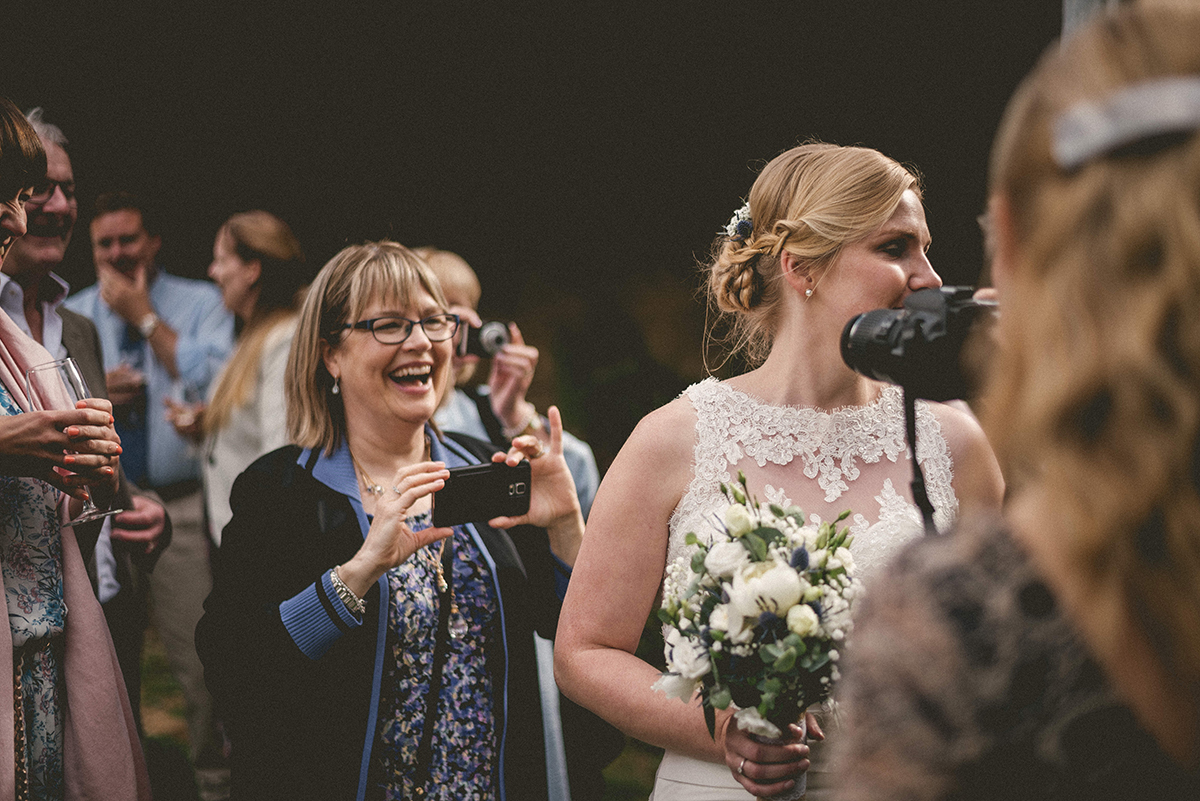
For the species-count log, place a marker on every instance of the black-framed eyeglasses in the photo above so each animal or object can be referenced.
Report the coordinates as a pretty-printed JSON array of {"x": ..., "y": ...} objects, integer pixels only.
[
  {"x": 394, "y": 330},
  {"x": 45, "y": 190}
]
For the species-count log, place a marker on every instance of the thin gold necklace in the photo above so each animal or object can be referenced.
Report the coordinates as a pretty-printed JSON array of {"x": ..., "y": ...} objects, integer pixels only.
[{"x": 368, "y": 482}]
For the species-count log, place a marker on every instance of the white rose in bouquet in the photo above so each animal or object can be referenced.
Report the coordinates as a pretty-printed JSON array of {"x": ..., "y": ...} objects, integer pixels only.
[
  {"x": 676, "y": 686},
  {"x": 724, "y": 559},
  {"x": 802, "y": 620},
  {"x": 765, "y": 587},
  {"x": 738, "y": 520},
  {"x": 685, "y": 657}
]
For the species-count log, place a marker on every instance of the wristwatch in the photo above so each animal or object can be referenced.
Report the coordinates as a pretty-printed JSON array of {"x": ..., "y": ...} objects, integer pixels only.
[{"x": 147, "y": 325}]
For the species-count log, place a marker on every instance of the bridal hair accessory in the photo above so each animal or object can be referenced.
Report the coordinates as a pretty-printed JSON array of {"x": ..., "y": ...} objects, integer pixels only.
[
  {"x": 739, "y": 226},
  {"x": 1138, "y": 112}
]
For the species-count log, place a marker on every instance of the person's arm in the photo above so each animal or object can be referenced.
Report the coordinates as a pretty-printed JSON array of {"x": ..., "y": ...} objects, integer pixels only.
[
  {"x": 614, "y": 586},
  {"x": 204, "y": 344}
]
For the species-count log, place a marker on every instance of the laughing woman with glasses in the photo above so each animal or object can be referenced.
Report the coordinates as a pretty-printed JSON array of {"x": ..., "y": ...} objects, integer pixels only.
[{"x": 354, "y": 650}]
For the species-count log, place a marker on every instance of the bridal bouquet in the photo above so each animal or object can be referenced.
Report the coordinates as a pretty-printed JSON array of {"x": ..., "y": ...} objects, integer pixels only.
[{"x": 755, "y": 618}]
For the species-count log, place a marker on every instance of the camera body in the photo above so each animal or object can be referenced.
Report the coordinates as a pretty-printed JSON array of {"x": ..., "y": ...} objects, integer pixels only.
[
  {"x": 484, "y": 341},
  {"x": 919, "y": 346}
]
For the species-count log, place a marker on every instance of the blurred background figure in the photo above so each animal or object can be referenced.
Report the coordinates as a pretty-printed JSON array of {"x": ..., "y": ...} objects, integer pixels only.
[
  {"x": 498, "y": 410},
  {"x": 259, "y": 267},
  {"x": 69, "y": 732},
  {"x": 32, "y": 295},
  {"x": 1056, "y": 654},
  {"x": 579, "y": 743},
  {"x": 163, "y": 337}
]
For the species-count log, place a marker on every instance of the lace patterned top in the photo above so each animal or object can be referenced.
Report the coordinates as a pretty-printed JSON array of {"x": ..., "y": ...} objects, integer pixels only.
[{"x": 850, "y": 458}]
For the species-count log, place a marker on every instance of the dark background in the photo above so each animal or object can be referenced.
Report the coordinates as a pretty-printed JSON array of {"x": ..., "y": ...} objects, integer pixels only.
[{"x": 580, "y": 156}]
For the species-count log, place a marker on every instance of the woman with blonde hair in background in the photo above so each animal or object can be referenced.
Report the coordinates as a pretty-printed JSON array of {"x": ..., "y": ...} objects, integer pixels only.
[
  {"x": 829, "y": 232},
  {"x": 1056, "y": 653},
  {"x": 259, "y": 267}
]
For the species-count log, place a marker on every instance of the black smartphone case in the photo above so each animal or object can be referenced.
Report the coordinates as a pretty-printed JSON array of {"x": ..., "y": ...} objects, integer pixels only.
[{"x": 477, "y": 493}]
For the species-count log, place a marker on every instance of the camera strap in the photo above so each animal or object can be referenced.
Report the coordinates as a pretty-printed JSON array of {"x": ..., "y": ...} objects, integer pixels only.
[
  {"x": 433, "y": 696},
  {"x": 918, "y": 482}
]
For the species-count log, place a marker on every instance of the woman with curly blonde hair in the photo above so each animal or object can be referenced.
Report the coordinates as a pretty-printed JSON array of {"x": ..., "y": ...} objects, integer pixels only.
[
  {"x": 829, "y": 232},
  {"x": 1084, "y": 623}
]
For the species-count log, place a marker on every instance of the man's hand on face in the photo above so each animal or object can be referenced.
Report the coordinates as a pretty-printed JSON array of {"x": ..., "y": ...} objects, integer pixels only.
[{"x": 127, "y": 294}]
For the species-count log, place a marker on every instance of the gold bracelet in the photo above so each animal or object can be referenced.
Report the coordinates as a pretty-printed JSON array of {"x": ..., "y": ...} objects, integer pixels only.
[{"x": 352, "y": 601}]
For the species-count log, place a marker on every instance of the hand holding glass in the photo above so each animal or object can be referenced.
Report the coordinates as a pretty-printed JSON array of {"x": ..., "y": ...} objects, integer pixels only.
[{"x": 66, "y": 371}]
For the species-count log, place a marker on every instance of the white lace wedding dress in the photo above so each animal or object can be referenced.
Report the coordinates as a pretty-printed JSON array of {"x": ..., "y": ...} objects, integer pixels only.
[{"x": 850, "y": 458}]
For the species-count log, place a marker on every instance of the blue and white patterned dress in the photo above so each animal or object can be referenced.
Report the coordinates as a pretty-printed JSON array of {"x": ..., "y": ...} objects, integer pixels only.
[
  {"x": 32, "y": 568},
  {"x": 465, "y": 744}
]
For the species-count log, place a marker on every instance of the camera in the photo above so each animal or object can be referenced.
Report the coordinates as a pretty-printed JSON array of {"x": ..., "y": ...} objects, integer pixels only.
[
  {"x": 919, "y": 346},
  {"x": 479, "y": 492},
  {"x": 484, "y": 341}
]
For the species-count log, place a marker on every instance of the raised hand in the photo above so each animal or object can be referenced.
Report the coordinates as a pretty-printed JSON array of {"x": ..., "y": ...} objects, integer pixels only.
[
  {"x": 553, "y": 502},
  {"x": 390, "y": 541},
  {"x": 511, "y": 374}
]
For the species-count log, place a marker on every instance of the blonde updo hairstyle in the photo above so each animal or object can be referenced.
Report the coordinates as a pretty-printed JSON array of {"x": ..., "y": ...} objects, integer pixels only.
[
  {"x": 341, "y": 292},
  {"x": 810, "y": 201},
  {"x": 1094, "y": 399}
]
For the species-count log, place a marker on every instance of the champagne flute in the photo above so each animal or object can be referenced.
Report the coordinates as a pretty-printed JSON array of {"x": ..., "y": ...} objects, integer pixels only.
[{"x": 66, "y": 371}]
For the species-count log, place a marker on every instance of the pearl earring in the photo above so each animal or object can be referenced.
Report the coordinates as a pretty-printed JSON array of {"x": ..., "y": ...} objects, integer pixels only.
[
  {"x": 337, "y": 390},
  {"x": 807, "y": 294}
]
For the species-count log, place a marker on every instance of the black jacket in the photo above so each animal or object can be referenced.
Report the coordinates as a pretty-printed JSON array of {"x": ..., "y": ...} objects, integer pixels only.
[{"x": 299, "y": 725}]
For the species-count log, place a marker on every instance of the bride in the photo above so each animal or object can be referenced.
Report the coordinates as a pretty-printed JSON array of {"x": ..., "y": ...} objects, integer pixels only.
[{"x": 829, "y": 232}]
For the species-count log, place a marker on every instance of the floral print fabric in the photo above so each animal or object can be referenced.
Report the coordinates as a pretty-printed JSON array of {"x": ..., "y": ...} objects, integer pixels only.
[
  {"x": 465, "y": 742},
  {"x": 31, "y": 566}
]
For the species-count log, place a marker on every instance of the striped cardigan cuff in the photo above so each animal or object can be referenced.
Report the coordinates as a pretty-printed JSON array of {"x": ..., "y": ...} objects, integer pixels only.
[{"x": 316, "y": 618}]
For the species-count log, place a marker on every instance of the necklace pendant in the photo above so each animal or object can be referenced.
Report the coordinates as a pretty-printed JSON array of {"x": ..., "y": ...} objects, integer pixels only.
[
  {"x": 375, "y": 489},
  {"x": 458, "y": 626}
]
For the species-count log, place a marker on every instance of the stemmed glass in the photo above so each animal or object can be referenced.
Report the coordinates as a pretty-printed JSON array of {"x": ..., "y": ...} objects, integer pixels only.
[{"x": 67, "y": 371}]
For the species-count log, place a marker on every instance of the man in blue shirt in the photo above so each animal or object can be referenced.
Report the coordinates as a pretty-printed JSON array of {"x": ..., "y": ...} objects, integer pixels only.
[{"x": 163, "y": 337}]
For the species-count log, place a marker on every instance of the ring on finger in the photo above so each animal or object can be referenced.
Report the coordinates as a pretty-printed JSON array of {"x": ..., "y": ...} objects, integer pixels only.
[
  {"x": 741, "y": 767},
  {"x": 541, "y": 451},
  {"x": 397, "y": 490}
]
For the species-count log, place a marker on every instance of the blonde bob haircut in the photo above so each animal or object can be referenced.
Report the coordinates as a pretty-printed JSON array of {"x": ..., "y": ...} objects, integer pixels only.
[
  {"x": 1095, "y": 394},
  {"x": 810, "y": 201},
  {"x": 346, "y": 285}
]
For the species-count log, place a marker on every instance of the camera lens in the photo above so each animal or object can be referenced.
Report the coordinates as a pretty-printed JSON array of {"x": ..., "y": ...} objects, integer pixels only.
[{"x": 492, "y": 337}]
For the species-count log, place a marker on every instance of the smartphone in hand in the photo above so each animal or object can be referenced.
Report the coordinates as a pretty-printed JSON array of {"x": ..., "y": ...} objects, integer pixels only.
[{"x": 477, "y": 493}]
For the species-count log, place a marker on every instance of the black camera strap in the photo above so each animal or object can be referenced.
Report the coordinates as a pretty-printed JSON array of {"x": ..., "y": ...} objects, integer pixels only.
[
  {"x": 918, "y": 482},
  {"x": 432, "y": 698}
]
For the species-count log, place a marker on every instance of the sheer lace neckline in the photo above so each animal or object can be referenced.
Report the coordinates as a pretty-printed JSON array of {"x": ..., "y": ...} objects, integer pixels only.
[{"x": 835, "y": 447}]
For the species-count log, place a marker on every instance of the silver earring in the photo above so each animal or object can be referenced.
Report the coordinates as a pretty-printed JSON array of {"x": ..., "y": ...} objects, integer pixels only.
[{"x": 337, "y": 390}]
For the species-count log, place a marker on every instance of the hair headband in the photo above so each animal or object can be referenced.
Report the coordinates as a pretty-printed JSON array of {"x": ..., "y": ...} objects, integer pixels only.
[{"x": 1152, "y": 108}]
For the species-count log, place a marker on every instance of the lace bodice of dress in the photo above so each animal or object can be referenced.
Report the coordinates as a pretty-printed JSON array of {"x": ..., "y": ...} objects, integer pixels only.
[{"x": 856, "y": 457}]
